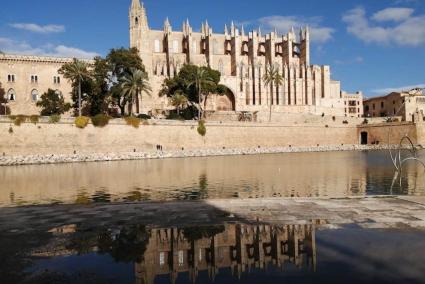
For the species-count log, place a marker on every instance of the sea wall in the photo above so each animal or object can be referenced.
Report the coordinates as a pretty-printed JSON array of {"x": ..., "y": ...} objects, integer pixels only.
[
  {"x": 420, "y": 133},
  {"x": 117, "y": 138},
  {"x": 379, "y": 133},
  {"x": 65, "y": 138}
]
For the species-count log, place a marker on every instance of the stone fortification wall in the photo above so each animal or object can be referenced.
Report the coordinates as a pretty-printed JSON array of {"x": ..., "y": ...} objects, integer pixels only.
[
  {"x": 65, "y": 138},
  {"x": 378, "y": 133},
  {"x": 420, "y": 133}
]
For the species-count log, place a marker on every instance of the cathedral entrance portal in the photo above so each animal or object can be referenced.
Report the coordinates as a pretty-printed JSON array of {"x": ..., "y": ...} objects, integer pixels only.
[{"x": 226, "y": 102}]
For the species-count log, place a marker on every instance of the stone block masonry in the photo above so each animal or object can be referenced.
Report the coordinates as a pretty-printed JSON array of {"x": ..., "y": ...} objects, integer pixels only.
[
  {"x": 45, "y": 139},
  {"x": 380, "y": 133},
  {"x": 62, "y": 143}
]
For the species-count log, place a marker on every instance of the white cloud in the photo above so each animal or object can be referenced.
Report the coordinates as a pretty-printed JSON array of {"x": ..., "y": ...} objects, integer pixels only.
[
  {"x": 283, "y": 24},
  {"x": 39, "y": 29},
  {"x": 397, "y": 2},
  {"x": 387, "y": 90},
  {"x": 393, "y": 14},
  {"x": 67, "y": 51},
  {"x": 406, "y": 32},
  {"x": 355, "y": 60},
  {"x": 8, "y": 45}
]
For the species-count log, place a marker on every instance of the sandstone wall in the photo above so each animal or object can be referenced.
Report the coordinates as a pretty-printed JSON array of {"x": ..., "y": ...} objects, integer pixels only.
[
  {"x": 117, "y": 138},
  {"x": 420, "y": 132},
  {"x": 379, "y": 132}
]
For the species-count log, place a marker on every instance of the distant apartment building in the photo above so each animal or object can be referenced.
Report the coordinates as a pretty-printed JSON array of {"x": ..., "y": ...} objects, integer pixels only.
[
  {"x": 353, "y": 104},
  {"x": 406, "y": 105}
]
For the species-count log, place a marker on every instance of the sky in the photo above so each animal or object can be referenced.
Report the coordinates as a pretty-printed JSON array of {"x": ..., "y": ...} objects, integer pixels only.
[{"x": 374, "y": 46}]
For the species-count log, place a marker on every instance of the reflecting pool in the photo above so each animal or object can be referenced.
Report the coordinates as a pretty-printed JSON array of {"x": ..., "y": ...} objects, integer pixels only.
[
  {"x": 331, "y": 174},
  {"x": 222, "y": 253}
]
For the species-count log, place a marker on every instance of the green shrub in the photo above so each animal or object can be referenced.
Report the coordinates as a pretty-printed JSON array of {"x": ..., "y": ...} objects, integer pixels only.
[
  {"x": 81, "y": 121},
  {"x": 202, "y": 130},
  {"x": 365, "y": 121},
  {"x": 54, "y": 118},
  {"x": 174, "y": 116},
  {"x": 51, "y": 103},
  {"x": 144, "y": 116},
  {"x": 133, "y": 121},
  {"x": 12, "y": 117},
  {"x": 100, "y": 120},
  {"x": 34, "y": 119},
  {"x": 19, "y": 119}
]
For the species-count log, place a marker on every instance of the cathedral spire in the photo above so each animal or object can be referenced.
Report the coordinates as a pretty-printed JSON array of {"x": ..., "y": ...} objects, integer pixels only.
[
  {"x": 243, "y": 31},
  {"x": 135, "y": 5},
  {"x": 232, "y": 29},
  {"x": 259, "y": 31},
  {"x": 207, "y": 28},
  {"x": 167, "y": 26},
  {"x": 138, "y": 15},
  {"x": 307, "y": 33},
  {"x": 226, "y": 32}
]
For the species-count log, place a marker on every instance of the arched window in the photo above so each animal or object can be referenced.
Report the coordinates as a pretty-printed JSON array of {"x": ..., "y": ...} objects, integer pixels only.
[
  {"x": 136, "y": 21},
  {"x": 157, "y": 46},
  {"x": 175, "y": 46},
  {"x": 34, "y": 79},
  {"x": 11, "y": 95},
  {"x": 34, "y": 95}
]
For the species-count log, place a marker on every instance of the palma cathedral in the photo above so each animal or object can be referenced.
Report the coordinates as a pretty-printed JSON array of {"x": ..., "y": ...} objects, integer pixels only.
[{"x": 242, "y": 58}]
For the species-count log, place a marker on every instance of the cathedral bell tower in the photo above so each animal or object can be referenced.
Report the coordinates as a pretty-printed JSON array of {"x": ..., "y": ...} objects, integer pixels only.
[{"x": 138, "y": 25}]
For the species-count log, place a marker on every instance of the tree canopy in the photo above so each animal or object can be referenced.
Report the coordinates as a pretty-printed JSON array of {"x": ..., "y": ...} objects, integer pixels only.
[
  {"x": 52, "y": 103},
  {"x": 4, "y": 109},
  {"x": 133, "y": 85},
  {"x": 99, "y": 84},
  {"x": 195, "y": 83}
]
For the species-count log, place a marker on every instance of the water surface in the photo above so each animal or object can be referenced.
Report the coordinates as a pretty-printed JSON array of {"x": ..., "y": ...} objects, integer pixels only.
[
  {"x": 227, "y": 253},
  {"x": 330, "y": 174}
]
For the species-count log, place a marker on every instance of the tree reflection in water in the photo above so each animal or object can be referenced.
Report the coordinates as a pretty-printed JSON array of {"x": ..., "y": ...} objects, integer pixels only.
[{"x": 171, "y": 251}]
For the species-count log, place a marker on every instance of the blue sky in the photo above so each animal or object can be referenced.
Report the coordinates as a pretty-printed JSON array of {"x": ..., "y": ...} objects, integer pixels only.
[{"x": 374, "y": 46}]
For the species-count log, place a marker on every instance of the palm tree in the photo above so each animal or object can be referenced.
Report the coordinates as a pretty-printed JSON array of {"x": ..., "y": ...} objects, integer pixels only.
[
  {"x": 202, "y": 79},
  {"x": 272, "y": 77},
  {"x": 178, "y": 100},
  {"x": 77, "y": 72},
  {"x": 133, "y": 84}
]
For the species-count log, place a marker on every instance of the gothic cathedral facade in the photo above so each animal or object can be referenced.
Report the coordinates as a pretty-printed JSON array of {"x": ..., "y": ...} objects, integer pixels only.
[{"x": 242, "y": 59}]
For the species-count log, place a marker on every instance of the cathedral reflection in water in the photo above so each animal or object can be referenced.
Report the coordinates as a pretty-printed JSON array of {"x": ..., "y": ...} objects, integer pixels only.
[{"x": 240, "y": 247}]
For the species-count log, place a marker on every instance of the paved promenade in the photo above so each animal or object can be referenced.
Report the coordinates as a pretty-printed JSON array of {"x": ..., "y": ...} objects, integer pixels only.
[{"x": 369, "y": 212}]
